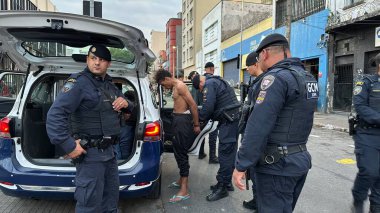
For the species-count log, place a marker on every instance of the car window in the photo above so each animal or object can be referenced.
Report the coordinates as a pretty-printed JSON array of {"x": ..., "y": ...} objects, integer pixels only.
[
  {"x": 55, "y": 49},
  {"x": 42, "y": 93},
  {"x": 10, "y": 85}
]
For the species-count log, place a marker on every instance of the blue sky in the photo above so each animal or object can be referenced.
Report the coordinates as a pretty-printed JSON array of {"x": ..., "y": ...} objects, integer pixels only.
[{"x": 146, "y": 15}]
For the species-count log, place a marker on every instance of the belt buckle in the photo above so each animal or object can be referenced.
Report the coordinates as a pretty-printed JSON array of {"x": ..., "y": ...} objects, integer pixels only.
[{"x": 269, "y": 159}]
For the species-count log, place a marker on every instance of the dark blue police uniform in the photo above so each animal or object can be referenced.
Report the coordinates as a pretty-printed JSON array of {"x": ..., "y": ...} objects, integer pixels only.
[
  {"x": 276, "y": 134},
  {"x": 211, "y": 138},
  {"x": 219, "y": 101},
  {"x": 84, "y": 107},
  {"x": 367, "y": 141}
]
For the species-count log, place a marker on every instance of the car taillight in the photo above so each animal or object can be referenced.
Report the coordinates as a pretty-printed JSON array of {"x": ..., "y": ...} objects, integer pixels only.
[
  {"x": 4, "y": 128},
  {"x": 152, "y": 132}
]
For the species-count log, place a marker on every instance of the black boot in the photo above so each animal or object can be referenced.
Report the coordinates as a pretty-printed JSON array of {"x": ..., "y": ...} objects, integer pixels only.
[
  {"x": 228, "y": 186},
  {"x": 250, "y": 204},
  {"x": 219, "y": 193},
  {"x": 374, "y": 208},
  {"x": 202, "y": 153},
  {"x": 213, "y": 160},
  {"x": 357, "y": 207}
]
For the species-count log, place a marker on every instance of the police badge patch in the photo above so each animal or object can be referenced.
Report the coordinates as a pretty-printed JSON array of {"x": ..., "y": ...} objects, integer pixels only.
[
  {"x": 357, "y": 90},
  {"x": 67, "y": 87},
  {"x": 261, "y": 97},
  {"x": 267, "y": 82}
]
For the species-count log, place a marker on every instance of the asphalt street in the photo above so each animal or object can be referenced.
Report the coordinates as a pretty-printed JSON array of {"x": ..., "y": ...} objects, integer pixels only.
[{"x": 327, "y": 188}]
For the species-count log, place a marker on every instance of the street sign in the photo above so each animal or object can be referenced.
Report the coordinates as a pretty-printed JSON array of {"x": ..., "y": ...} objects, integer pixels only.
[{"x": 377, "y": 37}]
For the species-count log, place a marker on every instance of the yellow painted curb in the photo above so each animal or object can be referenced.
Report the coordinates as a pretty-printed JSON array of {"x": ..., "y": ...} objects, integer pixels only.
[{"x": 346, "y": 161}]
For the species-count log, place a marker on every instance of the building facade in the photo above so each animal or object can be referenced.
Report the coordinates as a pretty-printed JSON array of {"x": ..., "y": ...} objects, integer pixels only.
[
  {"x": 193, "y": 12},
  {"x": 354, "y": 39},
  {"x": 223, "y": 22},
  {"x": 44, "y": 5},
  {"x": 173, "y": 46},
  {"x": 308, "y": 41},
  {"x": 157, "y": 45}
]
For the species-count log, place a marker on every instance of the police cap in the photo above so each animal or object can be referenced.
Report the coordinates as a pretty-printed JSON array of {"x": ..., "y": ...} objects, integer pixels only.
[
  {"x": 100, "y": 51},
  {"x": 272, "y": 40},
  {"x": 209, "y": 64},
  {"x": 251, "y": 59}
]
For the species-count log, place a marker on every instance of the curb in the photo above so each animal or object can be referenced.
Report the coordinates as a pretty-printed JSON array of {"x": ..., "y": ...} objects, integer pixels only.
[{"x": 331, "y": 127}]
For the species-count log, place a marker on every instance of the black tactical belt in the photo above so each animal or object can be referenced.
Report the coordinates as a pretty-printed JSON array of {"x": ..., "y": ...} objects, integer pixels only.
[
  {"x": 101, "y": 142},
  {"x": 273, "y": 154},
  {"x": 369, "y": 126}
]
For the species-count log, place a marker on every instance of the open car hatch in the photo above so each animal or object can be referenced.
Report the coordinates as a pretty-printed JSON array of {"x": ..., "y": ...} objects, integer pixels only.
[{"x": 61, "y": 40}]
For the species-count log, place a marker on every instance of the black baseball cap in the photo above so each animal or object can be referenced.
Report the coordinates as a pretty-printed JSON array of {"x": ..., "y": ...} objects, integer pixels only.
[
  {"x": 251, "y": 59},
  {"x": 209, "y": 64},
  {"x": 100, "y": 51},
  {"x": 272, "y": 40}
]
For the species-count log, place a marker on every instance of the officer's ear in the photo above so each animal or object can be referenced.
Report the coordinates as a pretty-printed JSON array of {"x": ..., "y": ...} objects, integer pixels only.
[{"x": 109, "y": 64}]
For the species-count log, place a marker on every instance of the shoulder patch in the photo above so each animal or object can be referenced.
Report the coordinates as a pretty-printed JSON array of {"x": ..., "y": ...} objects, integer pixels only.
[
  {"x": 359, "y": 83},
  {"x": 67, "y": 87},
  {"x": 267, "y": 82},
  {"x": 357, "y": 90},
  {"x": 73, "y": 80},
  {"x": 261, "y": 97}
]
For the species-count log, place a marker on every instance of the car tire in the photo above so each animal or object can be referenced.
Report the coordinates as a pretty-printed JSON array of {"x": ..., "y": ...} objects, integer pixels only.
[{"x": 156, "y": 189}]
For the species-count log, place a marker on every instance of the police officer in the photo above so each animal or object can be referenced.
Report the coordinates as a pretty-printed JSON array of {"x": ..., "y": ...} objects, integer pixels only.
[
  {"x": 88, "y": 107},
  {"x": 213, "y": 159},
  {"x": 367, "y": 137},
  {"x": 255, "y": 71},
  {"x": 278, "y": 128},
  {"x": 220, "y": 104}
]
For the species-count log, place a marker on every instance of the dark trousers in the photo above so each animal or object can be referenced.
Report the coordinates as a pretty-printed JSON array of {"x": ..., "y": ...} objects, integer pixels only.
[
  {"x": 368, "y": 177},
  {"x": 278, "y": 193},
  {"x": 184, "y": 138},
  {"x": 97, "y": 186},
  {"x": 252, "y": 174},
  {"x": 228, "y": 135},
  {"x": 124, "y": 147},
  {"x": 211, "y": 142}
]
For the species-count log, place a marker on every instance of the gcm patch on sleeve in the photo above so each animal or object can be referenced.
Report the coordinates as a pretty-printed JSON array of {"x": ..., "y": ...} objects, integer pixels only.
[
  {"x": 267, "y": 82},
  {"x": 357, "y": 90},
  {"x": 261, "y": 97},
  {"x": 67, "y": 87},
  {"x": 312, "y": 89}
]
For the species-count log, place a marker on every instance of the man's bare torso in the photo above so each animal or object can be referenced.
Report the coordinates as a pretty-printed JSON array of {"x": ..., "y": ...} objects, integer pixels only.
[{"x": 180, "y": 105}]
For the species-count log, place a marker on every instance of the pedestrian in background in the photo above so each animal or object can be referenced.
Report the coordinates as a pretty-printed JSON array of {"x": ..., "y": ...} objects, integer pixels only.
[
  {"x": 89, "y": 104},
  {"x": 220, "y": 104},
  {"x": 367, "y": 141},
  {"x": 278, "y": 128}
]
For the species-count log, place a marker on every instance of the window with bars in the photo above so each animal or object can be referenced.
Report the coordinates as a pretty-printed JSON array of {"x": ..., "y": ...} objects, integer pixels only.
[
  {"x": 17, "y": 4},
  {"x": 211, "y": 33},
  {"x": 3, "y": 4},
  {"x": 351, "y": 3},
  {"x": 30, "y": 6},
  {"x": 300, "y": 9}
]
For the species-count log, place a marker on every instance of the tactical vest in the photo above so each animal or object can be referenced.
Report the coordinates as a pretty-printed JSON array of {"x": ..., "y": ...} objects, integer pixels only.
[
  {"x": 374, "y": 93},
  {"x": 225, "y": 98},
  {"x": 295, "y": 120},
  {"x": 102, "y": 120}
]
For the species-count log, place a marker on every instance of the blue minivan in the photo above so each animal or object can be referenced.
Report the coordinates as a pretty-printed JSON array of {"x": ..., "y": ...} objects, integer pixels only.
[{"x": 50, "y": 47}]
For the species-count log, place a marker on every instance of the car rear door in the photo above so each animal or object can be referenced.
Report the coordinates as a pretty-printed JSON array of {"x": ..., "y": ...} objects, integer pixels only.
[{"x": 166, "y": 104}]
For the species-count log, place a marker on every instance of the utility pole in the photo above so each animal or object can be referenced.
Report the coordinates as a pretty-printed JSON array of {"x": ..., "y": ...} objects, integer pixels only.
[
  {"x": 92, "y": 8},
  {"x": 288, "y": 19},
  {"x": 241, "y": 40}
]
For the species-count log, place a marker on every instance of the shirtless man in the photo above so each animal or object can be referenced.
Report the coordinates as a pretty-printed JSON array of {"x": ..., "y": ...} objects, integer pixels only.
[{"x": 185, "y": 124}]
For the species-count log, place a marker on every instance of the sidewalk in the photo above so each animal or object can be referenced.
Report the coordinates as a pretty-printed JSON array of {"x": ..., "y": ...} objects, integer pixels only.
[{"x": 335, "y": 121}]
